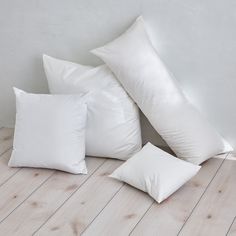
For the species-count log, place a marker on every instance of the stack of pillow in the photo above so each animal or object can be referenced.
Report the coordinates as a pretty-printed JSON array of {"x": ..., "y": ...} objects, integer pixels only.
[{"x": 95, "y": 112}]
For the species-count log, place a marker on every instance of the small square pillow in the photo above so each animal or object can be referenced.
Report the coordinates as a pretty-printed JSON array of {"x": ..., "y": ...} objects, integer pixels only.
[
  {"x": 113, "y": 126},
  {"x": 155, "y": 172},
  {"x": 147, "y": 80},
  {"x": 49, "y": 132}
]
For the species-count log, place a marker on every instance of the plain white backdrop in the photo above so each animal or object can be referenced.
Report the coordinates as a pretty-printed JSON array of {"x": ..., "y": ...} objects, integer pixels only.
[{"x": 196, "y": 39}]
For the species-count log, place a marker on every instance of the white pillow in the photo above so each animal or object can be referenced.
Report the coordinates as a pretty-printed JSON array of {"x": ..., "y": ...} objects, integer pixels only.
[
  {"x": 144, "y": 76},
  {"x": 113, "y": 127},
  {"x": 155, "y": 172},
  {"x": 49, "y": 132}
]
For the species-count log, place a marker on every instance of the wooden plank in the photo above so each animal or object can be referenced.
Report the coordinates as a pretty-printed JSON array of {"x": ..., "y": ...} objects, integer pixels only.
[
  {"x": 217, "y": 208},
  {"x": 168, "y": 217},
  {"x": 85, "y": 204},
  {"x": 5, "y": 171},
  {"x": 19, "y": 187},
  {"x": 44, "y": 202},
  {"x": 121, "y": 214},
  {"x": 6, "y": 139},
  {"x": 232, "y": 229}
]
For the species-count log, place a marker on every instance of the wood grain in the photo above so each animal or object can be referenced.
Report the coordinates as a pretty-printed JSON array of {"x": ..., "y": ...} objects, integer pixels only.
[
  {"x": 85, "y": 204},
  {"x": 18, "y": 188},
  {"x": 121, "y": 214},
  {"x": 47, "y": 202},
  {"x": 44, "y": 202},
  {"x": 6, "y": 172},
  {"x": 6, "y": 139},
  {"x": 217, "y": 208},
  {"x": 168, "y": 217}
]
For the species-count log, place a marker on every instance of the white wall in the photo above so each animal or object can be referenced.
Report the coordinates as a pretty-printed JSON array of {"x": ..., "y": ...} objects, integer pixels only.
[{"x": 196, "y": 39}]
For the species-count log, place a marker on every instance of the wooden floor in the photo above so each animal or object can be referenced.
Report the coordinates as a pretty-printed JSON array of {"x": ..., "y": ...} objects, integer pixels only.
[{"x": 48, "y": 202}]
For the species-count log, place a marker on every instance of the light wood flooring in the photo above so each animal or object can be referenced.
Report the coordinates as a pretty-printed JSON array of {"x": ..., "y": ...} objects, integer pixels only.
[{"x": 48, "y": 202}]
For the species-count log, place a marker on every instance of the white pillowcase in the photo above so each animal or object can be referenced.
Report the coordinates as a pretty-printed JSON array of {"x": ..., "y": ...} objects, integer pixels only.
[
  {"x": 50, "y": 132},
  {"x": 155, "y": 172},
  {"x": 144, "y": 76},
  {"x": 113, "y": 127}
]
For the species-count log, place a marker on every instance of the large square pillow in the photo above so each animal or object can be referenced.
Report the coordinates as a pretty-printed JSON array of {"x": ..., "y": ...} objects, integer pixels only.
[
  {"x": 50, "y": 132},
  {"x": 113, "y": 127},
  {"x": 136, "y": 64},
  {"x": 155, "y": 172}
]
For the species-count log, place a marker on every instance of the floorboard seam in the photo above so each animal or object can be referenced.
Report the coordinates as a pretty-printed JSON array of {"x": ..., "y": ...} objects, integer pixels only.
[
  {"x": 5, "y": 151},
  {"x": 64, "y": 202},
  {"x": 103, "y": 208},
  {"x": 4, "y": 182},
  {"x": 202, "y": 194},
  {"x": 27, "y": 197},
  {"x": 230, "y": 226},
  {"x": 13, "y": 173},
  {"x": 141, "y": 217}
]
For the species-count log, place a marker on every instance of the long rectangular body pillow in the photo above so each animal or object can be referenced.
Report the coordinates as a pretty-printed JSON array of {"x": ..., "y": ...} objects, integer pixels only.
[{"x": 144, "y": 76}]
